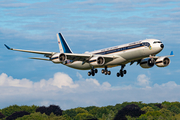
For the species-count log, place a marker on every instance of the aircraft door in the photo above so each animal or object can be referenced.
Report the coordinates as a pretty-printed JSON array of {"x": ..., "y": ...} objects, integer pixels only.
[{"x": 146, "y": 48}]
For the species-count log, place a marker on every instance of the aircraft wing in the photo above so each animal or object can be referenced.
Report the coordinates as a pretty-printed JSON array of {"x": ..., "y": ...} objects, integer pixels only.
[
  {"x": 46, "y": 54},
  {"x": 71, "y": 56},
  {"x": 87, "y": 57},
  {"x": 171, "y": 55}
]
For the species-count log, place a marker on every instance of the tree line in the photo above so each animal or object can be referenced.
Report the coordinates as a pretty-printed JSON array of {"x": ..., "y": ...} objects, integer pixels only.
[{"x": 125, "y": 111}]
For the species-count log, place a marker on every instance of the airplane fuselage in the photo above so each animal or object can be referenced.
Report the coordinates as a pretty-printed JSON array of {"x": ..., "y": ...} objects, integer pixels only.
[{"x": 125, "y": 53}]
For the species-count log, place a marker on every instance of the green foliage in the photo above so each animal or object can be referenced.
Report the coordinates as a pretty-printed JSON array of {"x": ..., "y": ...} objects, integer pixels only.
[
  {"x": 166, "y": 112},
  {"x": 111, "y": 115},
  {"x": 153, "y": 111},
  {"x": 39, "y": 116},
  {"x": 83, "y": 116},
  {"x": 73, "y": 112},
  {"x": 80, "y": 110},
  {"x": 147, "y": 109},
  {"x": 15, "y": 108},
  {"x": 34, "y": 116},
  {"x": 90, "y": 108},
  {"x": 94, "y": 111},
  {"x": 101, "y": 111}
]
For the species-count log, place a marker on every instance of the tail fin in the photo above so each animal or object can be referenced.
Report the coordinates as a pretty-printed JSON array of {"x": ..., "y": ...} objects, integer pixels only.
[{"x": 63, "y": 46}]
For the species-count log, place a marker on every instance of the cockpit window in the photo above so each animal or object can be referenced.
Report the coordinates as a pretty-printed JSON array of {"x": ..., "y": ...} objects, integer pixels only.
[
  {"x": 146, "y": 44},
  {"x": 157, "y": 42}
]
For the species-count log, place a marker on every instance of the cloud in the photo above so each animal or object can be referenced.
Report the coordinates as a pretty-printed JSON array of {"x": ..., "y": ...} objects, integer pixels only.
[
  {"x": 143, "y": 80},
  {"x": 9, "y": 81},
  {"x": 67, "y": 93},
  {"x": 14, "y": 5}
]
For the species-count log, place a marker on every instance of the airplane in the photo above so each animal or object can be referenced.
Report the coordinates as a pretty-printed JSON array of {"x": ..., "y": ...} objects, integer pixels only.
[{"x": 143, "y": 52}]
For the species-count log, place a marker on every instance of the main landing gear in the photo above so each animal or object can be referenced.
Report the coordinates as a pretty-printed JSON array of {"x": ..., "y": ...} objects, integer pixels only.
[
  {"x": 121, "y": 72},
  {"x": 105, "y": 71},
  {"x": 92, "y": 72}
]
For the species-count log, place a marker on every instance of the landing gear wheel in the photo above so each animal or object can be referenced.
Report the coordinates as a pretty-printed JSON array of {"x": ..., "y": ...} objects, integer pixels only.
[
  {"x": 122, "y": 72},
  {"x": 122, "y": 75},
  {"x": 102, "y": 71},
  {"x": 125, "y": 71},
  {"x": 118, "y": 74},
  {"x": 95, "y": 70},
  {"x": 109, "y": 72},
  {"x": 89, "y": 73},
  {"x": 105, "y": 72},
  {"x": 93, "y": 73}
]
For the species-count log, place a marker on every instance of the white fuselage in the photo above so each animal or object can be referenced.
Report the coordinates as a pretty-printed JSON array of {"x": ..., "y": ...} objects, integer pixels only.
[{"x": 123, "y": 54}]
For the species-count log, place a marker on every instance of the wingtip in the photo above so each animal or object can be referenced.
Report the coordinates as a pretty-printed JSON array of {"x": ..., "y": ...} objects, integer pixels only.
[{"x": 7, "y": 47}]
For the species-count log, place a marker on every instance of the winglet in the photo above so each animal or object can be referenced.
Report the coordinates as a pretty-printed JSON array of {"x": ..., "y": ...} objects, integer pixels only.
[
  {"x": 171, "y": 53},
  {"x": 7, "y": 47}
]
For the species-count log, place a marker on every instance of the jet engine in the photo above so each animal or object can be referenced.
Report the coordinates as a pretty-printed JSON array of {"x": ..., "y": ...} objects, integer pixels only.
[
  {"x": 147, "y": 63},
  {"x": 162, "y": 62},
  {"x": 97, "y": 61},
  {"x": 59, "y": 58},
  {"x": 62, "y": 57}
]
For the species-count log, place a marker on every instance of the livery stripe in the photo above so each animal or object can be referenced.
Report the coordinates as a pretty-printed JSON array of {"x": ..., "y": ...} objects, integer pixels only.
[{"x": 121, "y": 49}]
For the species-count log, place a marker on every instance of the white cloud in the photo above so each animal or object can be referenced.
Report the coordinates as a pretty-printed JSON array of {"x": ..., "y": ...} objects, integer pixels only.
[
  {"x": 143, "y": 80},
  {"x": 63, "y": 91},
  {"x": 92, "y": 81},
  {"x": 170, "y": 85},
  {"x": 9, "y": 81}
]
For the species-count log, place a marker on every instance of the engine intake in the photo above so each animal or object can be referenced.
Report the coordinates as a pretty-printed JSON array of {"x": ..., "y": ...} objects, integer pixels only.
[
  {"x": 162, "y": 62},
  {"x": 147, "y": 63},
  {"x": 97, "y": 61},
  {"x": 62, "y": 57}
]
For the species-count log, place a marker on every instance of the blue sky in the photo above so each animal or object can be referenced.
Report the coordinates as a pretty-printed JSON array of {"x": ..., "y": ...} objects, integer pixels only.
[{"x": 87, "y": 25}]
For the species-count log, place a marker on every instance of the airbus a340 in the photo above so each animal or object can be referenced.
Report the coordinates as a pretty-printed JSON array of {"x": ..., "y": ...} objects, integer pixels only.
[{"x": 143, "y": 52}]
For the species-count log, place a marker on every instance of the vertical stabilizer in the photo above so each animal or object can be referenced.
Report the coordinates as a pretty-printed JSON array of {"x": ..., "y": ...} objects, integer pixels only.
[{"x": 63, "y": 46}]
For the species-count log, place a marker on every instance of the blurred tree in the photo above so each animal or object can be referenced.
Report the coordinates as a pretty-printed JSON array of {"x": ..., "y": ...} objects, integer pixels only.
[
  {"x": 101, "y": 111},
  {"x": 2, "y": 116},
  {"x": 83, "y": 116},
  {"x": 90, "y": 108},
  {"x": 94, "y": 111},
  {"x": 80, "y": 110},
  {"x": 17, "y": 115},
  {"x": 34, "y": 116},
  {"x": 166, "y": 112},
  {"x": 15, "y": 108},
  {"x": 51, "y": 109},
  {"x": 147, "y": 109},
  {"x": 129, "y": 110}
]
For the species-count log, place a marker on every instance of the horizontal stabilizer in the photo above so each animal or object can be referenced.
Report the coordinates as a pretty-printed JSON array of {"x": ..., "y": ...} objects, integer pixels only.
[{"x": 40, "y": 59}]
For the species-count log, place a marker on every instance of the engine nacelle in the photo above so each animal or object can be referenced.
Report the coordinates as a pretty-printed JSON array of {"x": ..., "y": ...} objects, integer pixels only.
[
  {"x": 59, "y": 58},
  {"x": 62, "y": 57},
  {"x": 147, "y": 63},
  {"x": 162, "y": 62},
  {"x": 97, "y": 61}
]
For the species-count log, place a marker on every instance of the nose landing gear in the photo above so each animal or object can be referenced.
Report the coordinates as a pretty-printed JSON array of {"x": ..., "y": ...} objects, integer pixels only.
[{"x": 121, "y": 72}]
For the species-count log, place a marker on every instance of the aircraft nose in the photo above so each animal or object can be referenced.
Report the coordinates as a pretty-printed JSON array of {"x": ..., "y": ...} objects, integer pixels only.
[{"x": 162, "y": 46}]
